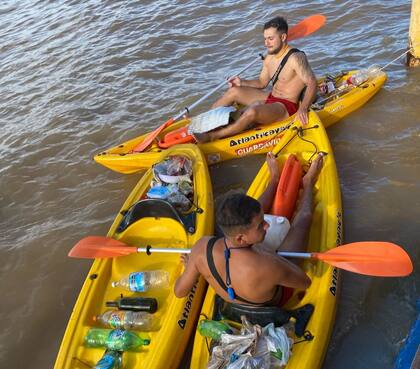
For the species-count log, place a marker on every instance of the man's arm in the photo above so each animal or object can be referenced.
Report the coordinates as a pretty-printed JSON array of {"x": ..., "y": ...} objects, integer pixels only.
[
  {"x": 305, "y": 73},
  {"x": 188, "y": 278},
  {"x": 259, "y": 83},
  {"x": 285, "y": 273}
]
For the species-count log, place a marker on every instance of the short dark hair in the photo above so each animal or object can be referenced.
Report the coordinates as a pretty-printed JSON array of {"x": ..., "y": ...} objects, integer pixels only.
[
  {"x": 279, "y": 23},
  {"x": 235, "y": 213}
]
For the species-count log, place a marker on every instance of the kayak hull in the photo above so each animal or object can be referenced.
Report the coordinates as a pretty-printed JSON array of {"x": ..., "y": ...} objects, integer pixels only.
[
  {"x": 325, "y": 234},
  {"x": 255, "y": 141},
  {"x": 175, "y": 318}
]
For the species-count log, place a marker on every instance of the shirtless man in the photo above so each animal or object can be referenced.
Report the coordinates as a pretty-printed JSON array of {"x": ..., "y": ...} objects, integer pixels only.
[
  {"x": 257, "y": 277},
  {"x": 268, "y": 107}
]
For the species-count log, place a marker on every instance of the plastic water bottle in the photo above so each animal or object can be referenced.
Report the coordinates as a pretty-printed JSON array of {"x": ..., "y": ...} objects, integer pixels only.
[
  {"x": 110, "y": 360},
  {"x": 126, "y": 319},
  {"x": 144, "y": 281},
  {"x": 358, "y": 78},
  {"x": 147, "y": 304},
  {"x": 213, "y": 329},
  {"x": 115, "y": 339}
]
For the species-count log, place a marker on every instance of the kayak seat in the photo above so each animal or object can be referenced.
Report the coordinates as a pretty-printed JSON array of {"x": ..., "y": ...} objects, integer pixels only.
[
  {"x": 263, "y": 315},
  {"x": 156, "y": 208}
]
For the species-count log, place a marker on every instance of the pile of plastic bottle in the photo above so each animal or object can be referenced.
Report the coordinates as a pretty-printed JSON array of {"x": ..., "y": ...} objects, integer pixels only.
[
  {"x": 329, "y": 84},
  {"x": 133, "y": 313},
  {"x": 173, "y": 182}
]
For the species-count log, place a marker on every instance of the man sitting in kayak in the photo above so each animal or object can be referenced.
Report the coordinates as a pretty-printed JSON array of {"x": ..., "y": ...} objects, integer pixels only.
[
  {"x": 288, "y": 83},
  {"x": 250, "y": 275}
]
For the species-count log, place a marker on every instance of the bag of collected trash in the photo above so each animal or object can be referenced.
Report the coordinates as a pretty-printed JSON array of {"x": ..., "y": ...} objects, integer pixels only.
[
  {"x": 173, "y": 169},
  {"x": 173, "y": 182},
  {"x": 253, "y": 348}
]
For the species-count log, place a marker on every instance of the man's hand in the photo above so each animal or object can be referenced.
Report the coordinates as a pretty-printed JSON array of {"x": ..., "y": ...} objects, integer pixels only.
[
  {"x": 302, "y": 115},
  {"x": 273, "y": 167},
  {"x": 234, "y": 81},
  {"x": 184, "y": 259}
]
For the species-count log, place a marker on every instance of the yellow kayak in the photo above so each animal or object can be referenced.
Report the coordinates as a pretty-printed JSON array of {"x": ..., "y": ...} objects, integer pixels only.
[
  {"x": 325, "y": 234},
  {"x": 175, "y": 318},
  {"x": 335, "y": 106}
]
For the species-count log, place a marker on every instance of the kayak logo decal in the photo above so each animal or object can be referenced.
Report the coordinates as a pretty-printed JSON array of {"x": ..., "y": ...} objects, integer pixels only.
[
  {"x": 338, "y": 242},
  {"x": 258, "y": 146},
  {"x": 258, "y": 136},
  {"x": 336, "y": 109},
  {"x": 187, "y": 307},
  {"x": 334, "y": 282},
  {"x": 339, "y": 239}
]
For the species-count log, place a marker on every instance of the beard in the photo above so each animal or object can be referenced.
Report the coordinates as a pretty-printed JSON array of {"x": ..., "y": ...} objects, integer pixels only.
[{"x": 275, "y": 51}]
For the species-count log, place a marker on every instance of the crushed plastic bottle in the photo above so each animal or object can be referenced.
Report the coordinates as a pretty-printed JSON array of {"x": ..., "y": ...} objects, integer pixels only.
[
  {"x": 116, "y": 339},
  {"x": 110, "y": 360},
  {"x": 213, "y": 328},
  {"x": 144, "y": 281},
  {"x": 126, "y": 319}
]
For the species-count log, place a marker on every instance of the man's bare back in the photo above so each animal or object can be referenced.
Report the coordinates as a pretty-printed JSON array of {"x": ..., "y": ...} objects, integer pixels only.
[{"x": 251, "y": 281}]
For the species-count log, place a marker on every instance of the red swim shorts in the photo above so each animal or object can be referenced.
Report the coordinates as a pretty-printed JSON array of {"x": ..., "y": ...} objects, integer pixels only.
[
  {"x": 291, "y": 107},
  {"x": 287, "y": 293}
]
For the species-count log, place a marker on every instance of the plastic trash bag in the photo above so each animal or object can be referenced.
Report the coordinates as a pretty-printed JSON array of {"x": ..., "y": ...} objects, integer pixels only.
[
  {"x": 254, "y": 348},
  {"x": 173, "y": 169},
  {"x": 278, "y": 344}
]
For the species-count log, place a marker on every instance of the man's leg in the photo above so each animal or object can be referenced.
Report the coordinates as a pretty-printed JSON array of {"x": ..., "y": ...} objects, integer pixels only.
[
  {"x": 241, "y": 95},
  {"x": 258, "y": 113},
  {"x": 297, "y": 238}
]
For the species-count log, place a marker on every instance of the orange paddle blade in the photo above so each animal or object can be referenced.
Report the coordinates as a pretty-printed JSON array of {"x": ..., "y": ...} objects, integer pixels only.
[
  {"x": 93, "y": 247},
  {"x": 383, "y": 259},
  {"x": 306, "y": 27},
  {"x": 149, "y": 139}
]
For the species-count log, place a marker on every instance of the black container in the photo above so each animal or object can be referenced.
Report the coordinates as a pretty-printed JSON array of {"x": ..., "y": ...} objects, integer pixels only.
[{"x": 148, "y": 304}]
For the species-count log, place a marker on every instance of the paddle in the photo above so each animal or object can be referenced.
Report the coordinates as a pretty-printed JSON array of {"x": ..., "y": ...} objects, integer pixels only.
[
  {"x": 303, "y": 28},
  {"x": 375, "y": 258}
]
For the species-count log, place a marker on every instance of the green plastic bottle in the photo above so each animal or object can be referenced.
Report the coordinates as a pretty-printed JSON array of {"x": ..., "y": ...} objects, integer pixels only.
[
  {"x": 213, "y": 329},
  {"x": 116, "y": 339}
]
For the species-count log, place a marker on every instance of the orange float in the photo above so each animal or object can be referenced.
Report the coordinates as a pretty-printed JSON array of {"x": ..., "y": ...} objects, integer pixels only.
[
  {"x": 288, "y": 188},
  {"x": 178, "y": 136}
]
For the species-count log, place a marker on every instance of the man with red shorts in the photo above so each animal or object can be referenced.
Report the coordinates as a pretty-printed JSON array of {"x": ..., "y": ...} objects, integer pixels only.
[{"x": 289, "y": 72}]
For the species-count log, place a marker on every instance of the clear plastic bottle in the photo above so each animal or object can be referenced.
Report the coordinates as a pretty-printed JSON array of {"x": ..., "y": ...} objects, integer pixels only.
[
  {"x": 116, "y": 339},
  {"x": 358, "y": 78},
  {"x": 144, "y": 281},
  {"x": 136, "y": 320},
  {"x": 110, "y": 360}
]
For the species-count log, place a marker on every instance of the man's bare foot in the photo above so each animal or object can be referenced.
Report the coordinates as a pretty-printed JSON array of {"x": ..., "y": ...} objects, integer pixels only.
[
  {"x": 312, "y": 174},
  {"x": 202, "y": 137},
  {"x": 273, "y": 167}
]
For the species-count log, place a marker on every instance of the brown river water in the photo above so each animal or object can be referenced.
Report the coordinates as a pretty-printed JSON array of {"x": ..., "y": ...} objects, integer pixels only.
[{"x": 77, "y": 77}]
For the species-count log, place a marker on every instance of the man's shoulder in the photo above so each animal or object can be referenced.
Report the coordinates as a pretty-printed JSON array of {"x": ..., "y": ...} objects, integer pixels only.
[{"x": 201, "y": 244}]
